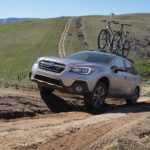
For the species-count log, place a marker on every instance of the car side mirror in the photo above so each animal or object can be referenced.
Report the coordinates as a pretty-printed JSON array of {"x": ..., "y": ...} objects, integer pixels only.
[{"x": 115, "y": 69}]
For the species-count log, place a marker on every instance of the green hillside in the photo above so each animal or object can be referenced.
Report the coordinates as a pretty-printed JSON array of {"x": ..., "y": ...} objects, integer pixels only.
[
  {"x": 139, "y": 36},
  {"x": 21, "y": 43}
]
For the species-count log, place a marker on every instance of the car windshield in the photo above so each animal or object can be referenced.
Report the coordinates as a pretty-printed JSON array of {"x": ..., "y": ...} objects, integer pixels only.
[{"x": 93, "y": 57}]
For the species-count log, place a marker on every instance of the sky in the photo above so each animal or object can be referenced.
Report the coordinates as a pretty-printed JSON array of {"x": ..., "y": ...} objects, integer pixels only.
[{"x": 57, "y": 8}]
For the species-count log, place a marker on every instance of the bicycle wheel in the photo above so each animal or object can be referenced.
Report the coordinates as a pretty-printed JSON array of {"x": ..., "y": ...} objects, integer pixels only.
[
  {"x": 116, "y": 44},
  {"x": 102, "y": 39},
  {"x": 126, "y": 48}
]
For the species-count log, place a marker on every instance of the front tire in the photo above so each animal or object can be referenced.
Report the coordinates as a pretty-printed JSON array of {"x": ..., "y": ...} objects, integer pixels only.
[
  {"x": 45, "y": 93},
  {"x": 133, "y": 99},
  {"x": 95, "y": 100}
]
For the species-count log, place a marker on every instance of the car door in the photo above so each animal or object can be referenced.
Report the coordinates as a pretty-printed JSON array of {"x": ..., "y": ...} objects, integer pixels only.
[
  {"x": 131, "y": 77},
  {"x": 117, "y": 82}
]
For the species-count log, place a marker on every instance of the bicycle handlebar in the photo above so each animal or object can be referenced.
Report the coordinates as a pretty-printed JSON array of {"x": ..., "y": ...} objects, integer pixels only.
[
  {"x": 103, "y": 20},
  {"x": 115, "y": 22},
  {"x": 124, "y": 24}
]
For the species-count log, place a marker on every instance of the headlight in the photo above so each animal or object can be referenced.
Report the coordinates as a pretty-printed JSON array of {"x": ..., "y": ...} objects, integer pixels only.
[
  {"x": 81, "y": 70},
  {"x": 36, "y": 64}
]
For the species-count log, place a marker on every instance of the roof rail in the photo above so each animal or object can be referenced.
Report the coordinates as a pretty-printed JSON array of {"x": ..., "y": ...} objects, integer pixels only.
[
  {"x": 117, "y": 55},
  {"x": 125, "y": 58}
]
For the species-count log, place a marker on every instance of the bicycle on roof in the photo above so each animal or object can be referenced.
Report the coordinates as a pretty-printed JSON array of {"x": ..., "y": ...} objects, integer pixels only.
[
  {"x": 116, "y": 41},
  {"x": 106, "y": 35},
  {"x": 120, "y": 42}
]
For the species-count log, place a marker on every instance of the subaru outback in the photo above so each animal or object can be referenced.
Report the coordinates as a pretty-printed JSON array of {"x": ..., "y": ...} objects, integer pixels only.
[{"x": 95, "y": 75}]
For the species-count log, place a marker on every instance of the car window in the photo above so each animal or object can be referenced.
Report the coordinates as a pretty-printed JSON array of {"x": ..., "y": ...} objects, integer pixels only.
[
  {"x": 93, "y": 57},
  {"x": 81, "y": 56},
  {"x": 130, "y": 68},
  {"x": 119, "y": 62}
]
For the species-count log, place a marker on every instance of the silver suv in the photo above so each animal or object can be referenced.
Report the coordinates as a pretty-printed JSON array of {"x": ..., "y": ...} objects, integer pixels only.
[{"x": 95, "y": 75}]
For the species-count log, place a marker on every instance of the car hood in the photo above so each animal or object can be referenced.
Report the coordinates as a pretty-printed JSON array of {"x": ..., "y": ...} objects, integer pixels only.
[{"x": 71, "y": 62}]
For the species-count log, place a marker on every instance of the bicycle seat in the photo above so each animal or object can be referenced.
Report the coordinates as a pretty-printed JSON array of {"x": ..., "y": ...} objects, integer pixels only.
[
  {"x": 103, "y": 20},
  {"x": 115, "y": 22}
]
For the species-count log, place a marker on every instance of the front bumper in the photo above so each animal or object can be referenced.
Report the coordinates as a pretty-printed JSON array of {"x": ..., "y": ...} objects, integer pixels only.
[
  {"x": 64, "y": 81},
  {"x": 77, "y": 87}
]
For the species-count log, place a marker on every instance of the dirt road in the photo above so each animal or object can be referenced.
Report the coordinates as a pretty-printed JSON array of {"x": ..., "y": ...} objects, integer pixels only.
[
  {"x": 62, "y": 51},
  {"x": 67, "y": 127}
]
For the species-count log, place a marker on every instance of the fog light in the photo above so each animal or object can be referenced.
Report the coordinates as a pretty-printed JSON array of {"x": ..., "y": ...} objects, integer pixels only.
[{"x": 78, "y": 88}]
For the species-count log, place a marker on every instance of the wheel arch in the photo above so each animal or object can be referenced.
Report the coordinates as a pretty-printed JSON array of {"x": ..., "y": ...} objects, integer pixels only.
[{"x": 106, "y": 81}]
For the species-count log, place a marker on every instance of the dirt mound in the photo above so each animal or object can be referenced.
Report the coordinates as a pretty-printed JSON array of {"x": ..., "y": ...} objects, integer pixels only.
[
  {"x": 126, "y": 144},
  {"x": 19, "y": 106},
  {"x": 67, "y": 125},
  {"x": 25, "y": 103},
  {"x": 60, "y": 102},
  {"x": 28, "y": 104},
  {"x": 135, "y": 137}
]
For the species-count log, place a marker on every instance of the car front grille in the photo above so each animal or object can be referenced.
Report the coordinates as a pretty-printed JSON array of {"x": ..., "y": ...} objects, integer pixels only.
[
  {"x": 52, "y": 66},
  {"x": 48, "y": 80}
]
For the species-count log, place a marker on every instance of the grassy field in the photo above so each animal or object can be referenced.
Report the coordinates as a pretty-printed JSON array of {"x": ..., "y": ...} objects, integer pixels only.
[
  {"x": 21, "y": 43},
  {"x": 139, "y": 31}
]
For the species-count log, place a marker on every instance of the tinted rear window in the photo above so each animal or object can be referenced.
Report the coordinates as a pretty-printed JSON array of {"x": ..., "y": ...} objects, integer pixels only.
[{"x": 93, "y": 57}]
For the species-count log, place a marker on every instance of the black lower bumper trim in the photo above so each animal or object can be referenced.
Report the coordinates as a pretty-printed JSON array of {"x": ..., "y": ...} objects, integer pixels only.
[
  {"x": 47, "y": 79},
  {"x": 58, "y": 85}
]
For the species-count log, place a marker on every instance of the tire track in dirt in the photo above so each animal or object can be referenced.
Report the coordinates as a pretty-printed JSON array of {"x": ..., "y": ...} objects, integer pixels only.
[
  {"x": 123, "y": 128},
  {"x": 86, "y": 136},
  {"x": 71, "y": 130},
  {"x": 62, "y": 51},
  {"x": 74, "y": 130}
]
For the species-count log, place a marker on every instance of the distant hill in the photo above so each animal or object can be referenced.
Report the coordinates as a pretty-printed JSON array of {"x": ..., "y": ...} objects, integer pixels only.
[{"x": 15, "y": 19}]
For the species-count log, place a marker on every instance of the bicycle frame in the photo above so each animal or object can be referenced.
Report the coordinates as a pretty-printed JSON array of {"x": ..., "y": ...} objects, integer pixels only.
[
  {"x": 108, "y": 27},
  {"x": 123, "y": 33},
  {"x": 110, "y": 32},
  {"x": 115, "y": 41},
  {"x": 118, "y": 44}
]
